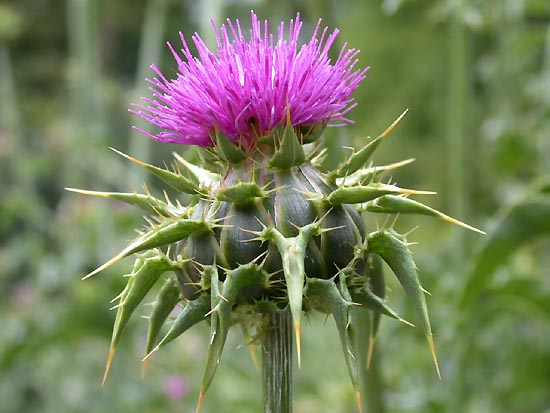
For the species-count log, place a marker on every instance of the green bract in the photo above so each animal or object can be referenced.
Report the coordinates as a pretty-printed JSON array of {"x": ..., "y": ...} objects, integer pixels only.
[{"x": 267, "y": 231}]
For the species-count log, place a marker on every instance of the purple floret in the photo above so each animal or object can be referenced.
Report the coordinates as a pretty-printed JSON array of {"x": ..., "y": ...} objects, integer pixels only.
[{"x": 248, "y": 87}]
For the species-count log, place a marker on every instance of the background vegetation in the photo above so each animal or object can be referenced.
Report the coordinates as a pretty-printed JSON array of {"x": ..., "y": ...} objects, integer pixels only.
[{"x": 476, "y": 77}]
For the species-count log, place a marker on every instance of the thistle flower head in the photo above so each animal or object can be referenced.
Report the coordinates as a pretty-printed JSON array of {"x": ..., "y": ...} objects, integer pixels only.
[
  {"x": 251, "y": 84},
  {"x": 274, "y": 233}
]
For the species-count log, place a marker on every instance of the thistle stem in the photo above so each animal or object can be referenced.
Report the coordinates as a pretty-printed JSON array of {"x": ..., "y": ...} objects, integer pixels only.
[{"x": 277, "y": 363}]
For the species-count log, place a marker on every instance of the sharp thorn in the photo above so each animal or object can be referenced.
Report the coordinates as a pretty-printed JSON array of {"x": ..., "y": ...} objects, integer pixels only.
[
  {"x": 148, "y": 355},
  {"x": 144, "y": 367},
  {"x": 118, "y": 297},
  {"x": 297, "y": 332},
  {"x": 263, "y": 256},
  {"x": 359, "y": 401},
  {"x": 392, "y": 225},
  {"x": 406, "y": 322},
  {"x": 250, "y": 347},
  {"x": 393, "y": 125},
  {"x": 372, "y": 342},
  {"x": 108, "y": 365},
  {"x": 434, "y": 355},
  {"x": 86, "y": 192},
  {"x": 102, "y": 267},
  {"x": 199, "y": 402},
  {"x": 461, "y": 224},
  {"x": 117, "y": 306},
  {"x": 210, "y": 313},
  {"x": 415, "y": 192}
]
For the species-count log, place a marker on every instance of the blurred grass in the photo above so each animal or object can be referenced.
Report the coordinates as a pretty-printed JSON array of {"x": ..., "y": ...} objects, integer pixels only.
[{"x": 68, "y": 72}]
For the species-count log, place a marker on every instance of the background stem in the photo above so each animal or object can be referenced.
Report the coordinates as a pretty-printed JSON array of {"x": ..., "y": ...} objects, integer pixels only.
[
  {"x": 151, "y": 45},
  {"x": 277, "y": 363},
  {"x": 457, "y": 140}
]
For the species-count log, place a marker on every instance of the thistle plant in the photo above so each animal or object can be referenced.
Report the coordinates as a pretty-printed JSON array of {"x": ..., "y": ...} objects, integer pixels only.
[{"x": 258, "y": 234}]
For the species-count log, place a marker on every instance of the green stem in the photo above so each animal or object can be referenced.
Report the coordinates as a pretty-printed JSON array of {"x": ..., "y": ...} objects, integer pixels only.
[
  {"x": 374, "y": 387},
  {"x": 149, "y": 52},
  {"x": 372, "y": 382},
  {"x": 457, "y": 141},
  {"x": 86, "y": 108},
  {"x": 457, "y": 144},
  {"x": 277, "y": 363}
]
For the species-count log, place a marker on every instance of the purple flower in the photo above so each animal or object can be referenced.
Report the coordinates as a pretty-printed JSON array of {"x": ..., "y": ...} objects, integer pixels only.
[
  {"x": 175, "y": 388},
  {"x": 247, "y": 87}
]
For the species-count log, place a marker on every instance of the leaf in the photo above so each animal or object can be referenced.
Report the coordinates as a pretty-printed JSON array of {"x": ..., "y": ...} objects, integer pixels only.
[
  {"x": 147, "y": 203},
  {"x": 240, "y": 193},
  {"x": 359, "y": 159},
  {"x": 360, "y": 194},
  {"x": 175, "y": 180},
  {"x": 228, "y": 150},
  {"x": 222, "y": 304},
  {"x": 329, "y": 295},
  {"x": 290, "y": 152},
  {"x": 368, "y": 173},
  {"x": 396, "y": 254},
  {"x": 193, "y": 312},
  {"x": 198, "y": 175},
  {"x": 371, "y": 296},
  {"x": 144, "y": 275},
  {"x": 518, "y": 225},
  {"x": 392, "y": 204},
  {"x": 168, "y": 232},
  {"x": 293, "y": 252},
  {"x": 167, "y": 299}
]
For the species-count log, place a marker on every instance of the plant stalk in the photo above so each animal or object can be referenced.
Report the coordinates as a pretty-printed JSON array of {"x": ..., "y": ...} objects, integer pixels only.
[
  {"x": 277, "y": 363},
  {"x": 372, "y": 381},
  {"x": 457, "y": 138},
  {"x": 149, "y": 51}
]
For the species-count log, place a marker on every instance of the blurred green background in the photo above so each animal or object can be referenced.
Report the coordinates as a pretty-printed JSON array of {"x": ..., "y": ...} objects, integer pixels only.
[{"x": 475, "y": 75}]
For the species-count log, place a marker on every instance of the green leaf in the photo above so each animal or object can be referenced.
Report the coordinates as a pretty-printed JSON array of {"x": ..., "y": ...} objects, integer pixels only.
[
  {"x": 371, "y": 295},
  {"x": 518, "y": 225},
  {"x": 147, "y": 203},
  {"x": 328, "y": 295},
  {"x": 198, "y": 175},
  {"x": 240, "y": 193},
  {"x": 194, "y": 312},
  {"x": 369, "y": 173},
  {"x": 167, "y": 299},
  {"x": 396, "y": 254},
  {"x": 290, "y": 152},
  {"x": 392, "y": 204},
  {"x": 359, "y": 159},
  {"x": 145, "y": 274},
  {"x": 168, "y": 232},
  {"x": 360, "y": 194},
  {"x": 222, "y": 304},
  {"x": 293, "y": 252},
  {"x": 175, "y": 180},
  {"x": 377, "y": 283},
  {"x": 228, "y": 150}
]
